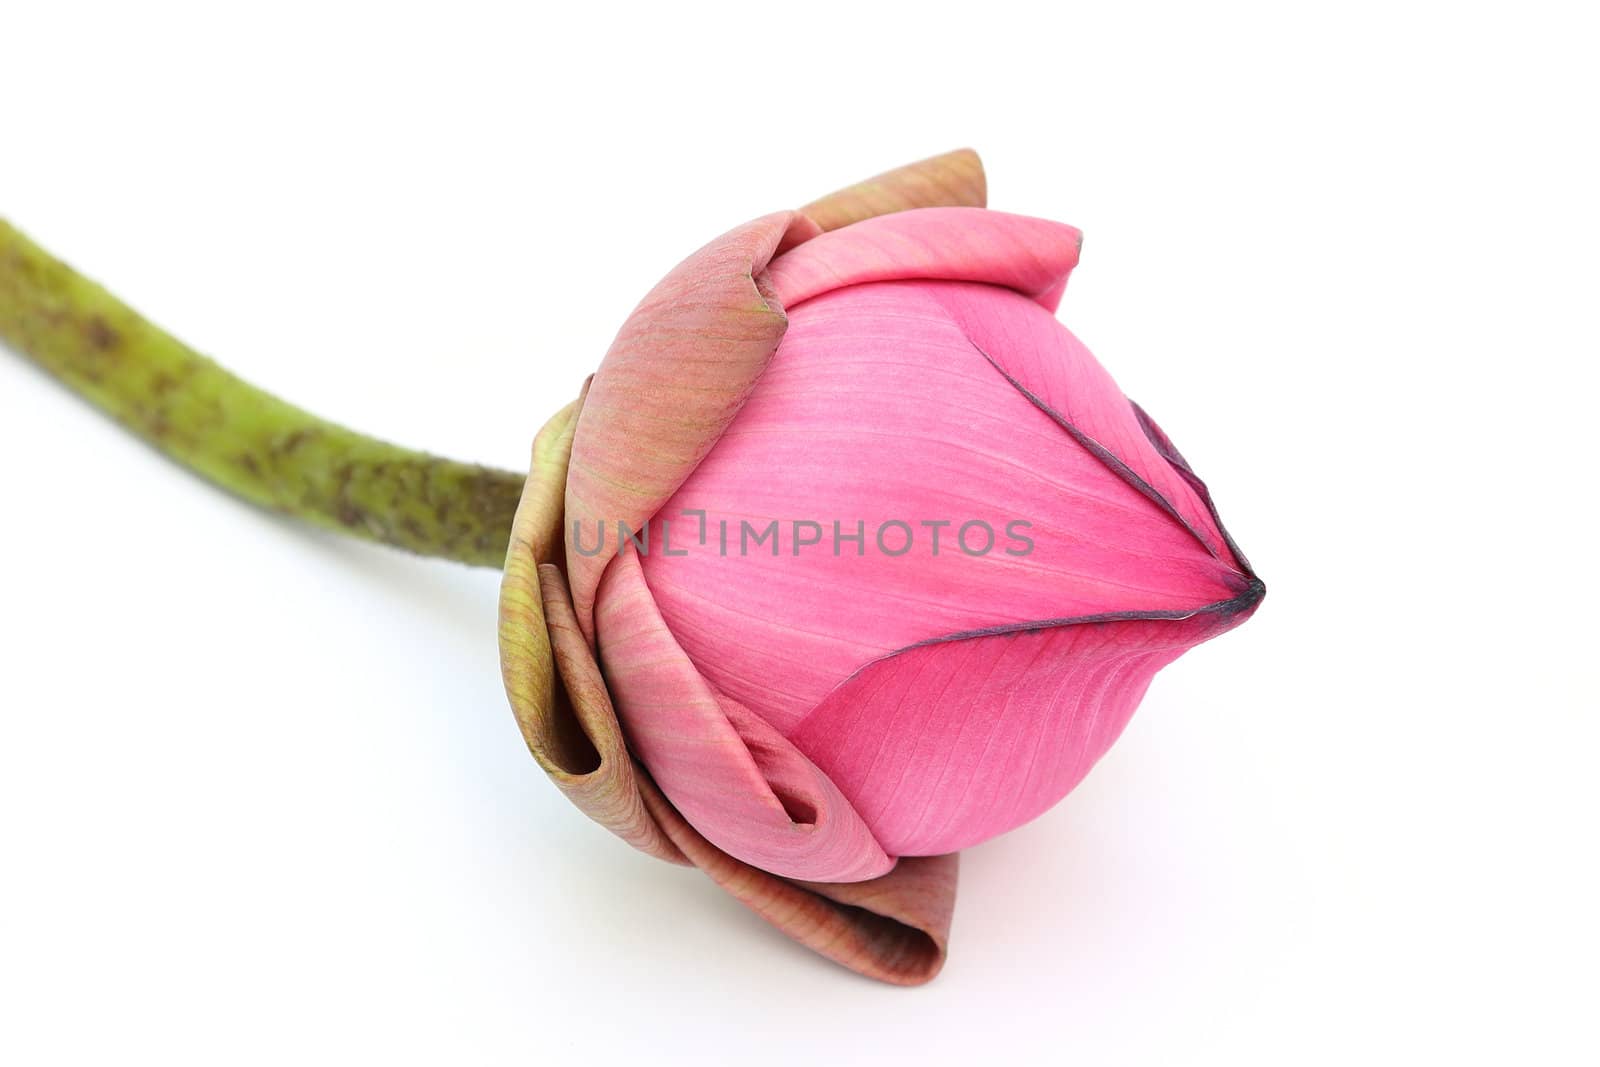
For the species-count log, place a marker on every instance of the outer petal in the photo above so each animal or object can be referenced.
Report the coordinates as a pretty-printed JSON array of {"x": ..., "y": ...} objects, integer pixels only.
[
  {"x": 716, "y": 310},
  {"x": 894, "y": 928},
  {"x": 947, "y": 744},
  {"x": 1032, "y": 256},
  {"x": 692, "y": 350},
  {"x": 675, "y": 376},
  {"x": 954, "y": 179},
  {"x": 570, "y": 728},
  {"x": 730, "y": 774}
]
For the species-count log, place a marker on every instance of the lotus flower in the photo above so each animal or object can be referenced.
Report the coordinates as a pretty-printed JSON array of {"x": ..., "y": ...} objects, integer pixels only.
[{"x": 824, "y": 722}]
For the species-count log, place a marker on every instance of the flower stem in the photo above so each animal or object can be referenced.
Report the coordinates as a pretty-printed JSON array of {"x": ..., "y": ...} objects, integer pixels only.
[{"x": 238, "y": 437}]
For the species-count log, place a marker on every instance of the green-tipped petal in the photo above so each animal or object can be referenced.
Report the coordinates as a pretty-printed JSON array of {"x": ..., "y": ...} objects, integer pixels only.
[
  {"x": 954, "y": 179},
  {"x": 570, "y": 727}
]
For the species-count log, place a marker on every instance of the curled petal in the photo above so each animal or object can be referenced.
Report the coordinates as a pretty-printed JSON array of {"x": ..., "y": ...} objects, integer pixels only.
[
  {"x": 606, "y": 788},
  {"x": 676, "y": 375},
  {"x": 1032, "y": 256},
  {"x": 569, "y": 727},
  {"x": 954, "y": 179},
  {"x": 894, "y": 928},
  {"x": 526, "y": 665},
  {"x": 733, "y": 777},
  {"x": 538, "y": 516}
]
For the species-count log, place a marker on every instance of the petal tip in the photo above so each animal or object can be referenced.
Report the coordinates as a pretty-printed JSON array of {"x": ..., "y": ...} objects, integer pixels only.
[{"x": 953, "y": 179}]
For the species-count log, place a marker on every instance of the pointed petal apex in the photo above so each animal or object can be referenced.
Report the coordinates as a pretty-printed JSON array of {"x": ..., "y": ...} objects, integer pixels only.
[{"x": 1009, "y": 722}]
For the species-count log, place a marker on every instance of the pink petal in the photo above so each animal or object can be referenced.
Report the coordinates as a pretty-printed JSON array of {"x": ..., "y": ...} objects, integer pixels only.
[
  {"x": 675, "y": 376},
  {"x": 1168, "y": 451},
  {"x": 1061, "y": 376},
  {"x": 878, "y": 407},
  {"x": 1032, "y": 256},
  {"x": 734, "y": 778},
  {"x": 893, "y": 928},
  {"x": 948, "y": 744}
]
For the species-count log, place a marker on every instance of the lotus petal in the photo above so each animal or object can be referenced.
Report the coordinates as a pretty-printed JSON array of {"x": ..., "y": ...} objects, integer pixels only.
[
  {"x": 676, "y": 375},
  {"x": 954, "y": 179},
  {"x": 946, "y": 744},
  {"x": 878, "y": 409},
  {"x": 1031, "y": 256},
  {"x": 733, "y": 777},
  {"x": 895, "y": 928},
  {"x": 569, "y": 727},
  {"x": 1059, "y": 375}
]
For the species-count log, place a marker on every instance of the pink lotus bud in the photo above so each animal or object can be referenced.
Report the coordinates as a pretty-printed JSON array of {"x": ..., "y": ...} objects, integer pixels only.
[
  {"x": 846, "y": 676},
  {"x": 874, "y": 558}
]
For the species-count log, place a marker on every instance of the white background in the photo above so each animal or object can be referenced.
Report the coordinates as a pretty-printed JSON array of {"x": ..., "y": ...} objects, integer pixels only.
[{"x": 261, "y": 798}]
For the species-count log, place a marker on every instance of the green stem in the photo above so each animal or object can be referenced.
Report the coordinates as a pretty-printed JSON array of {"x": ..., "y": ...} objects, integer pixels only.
[{"x": 238, "y": 437}]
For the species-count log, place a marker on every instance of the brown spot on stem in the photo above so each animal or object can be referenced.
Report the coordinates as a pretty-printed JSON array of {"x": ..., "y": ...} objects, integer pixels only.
[
  {"x": 294, "y": 441},
  {"x": 100, "y": 335}
]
